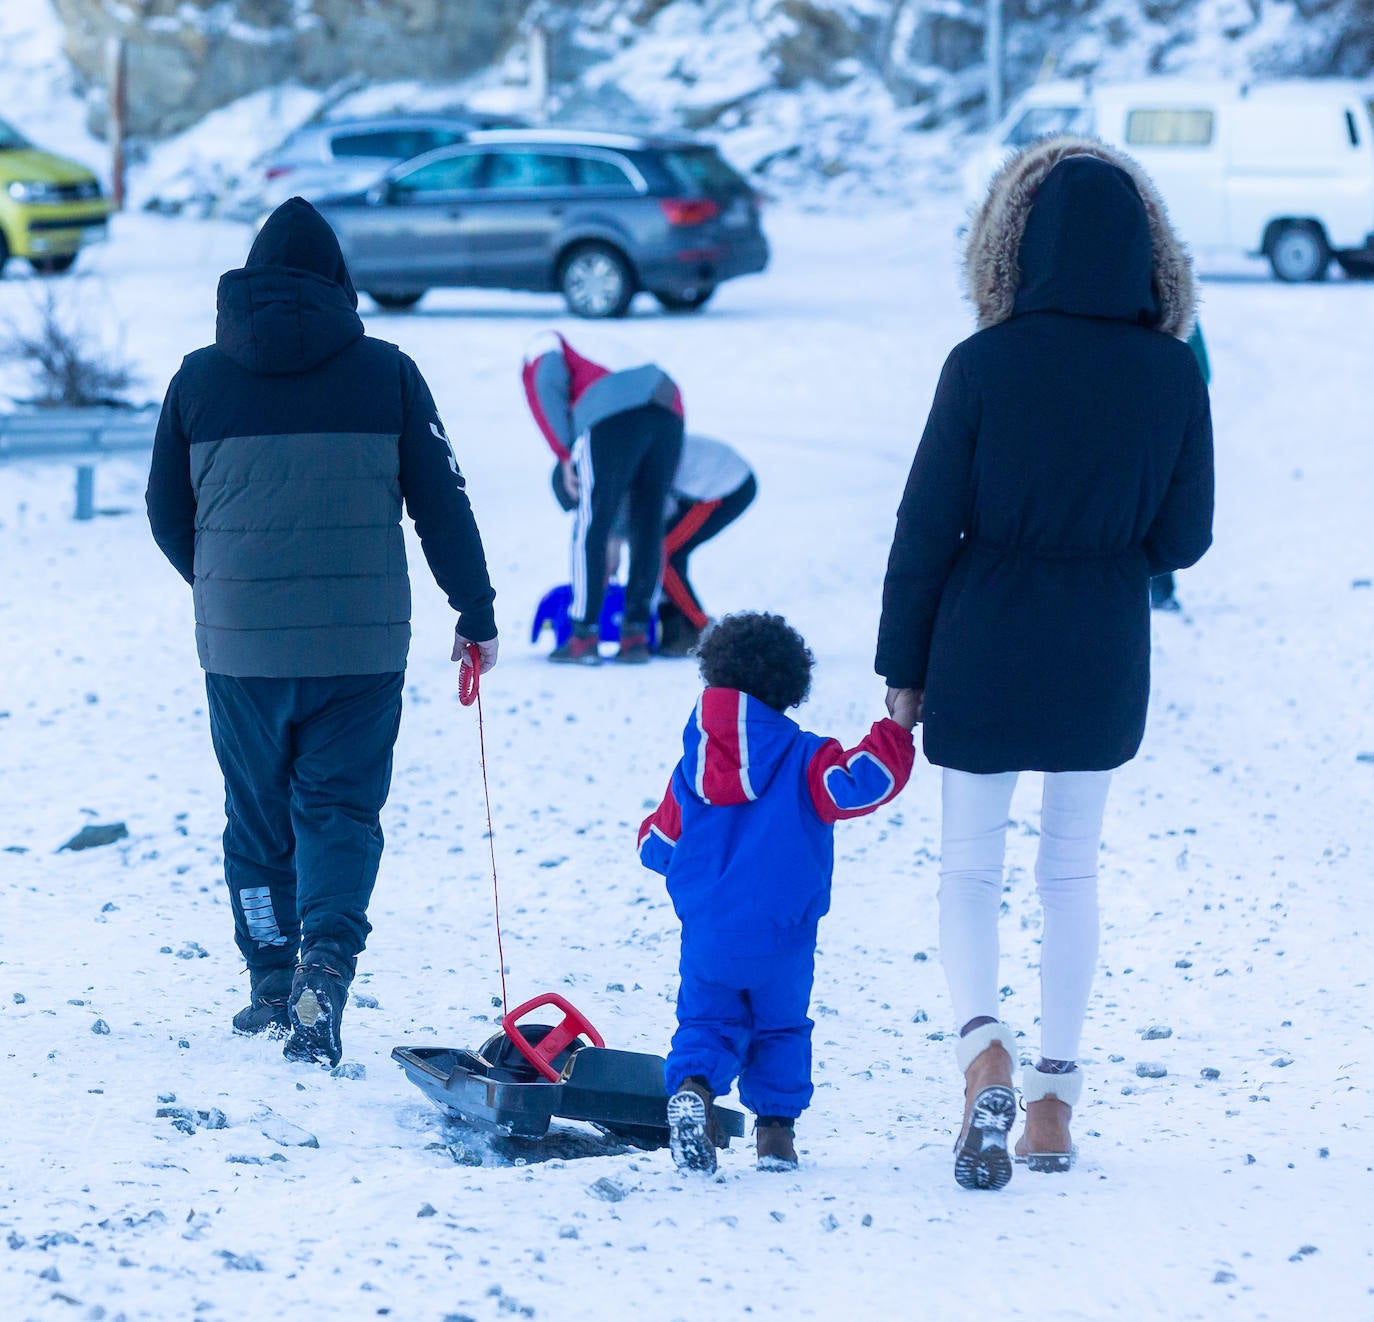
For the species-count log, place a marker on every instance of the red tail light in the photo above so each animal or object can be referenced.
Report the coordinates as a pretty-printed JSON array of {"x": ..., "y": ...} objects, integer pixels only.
[
  {"x": 277, "y": 171},
  {"x": 688, "y": 211}
]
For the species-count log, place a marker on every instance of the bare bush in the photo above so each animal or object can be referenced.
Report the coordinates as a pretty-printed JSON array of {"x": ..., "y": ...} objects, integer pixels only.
[{"x": 68, "y": 366}]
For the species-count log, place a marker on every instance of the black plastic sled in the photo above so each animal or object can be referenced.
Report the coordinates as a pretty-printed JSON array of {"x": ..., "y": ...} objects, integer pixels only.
[{"x": 498, "y": 1089}]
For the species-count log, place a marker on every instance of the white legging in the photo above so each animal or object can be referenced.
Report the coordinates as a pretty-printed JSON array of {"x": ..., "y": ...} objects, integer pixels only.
[{"x": 974, "y": 844}]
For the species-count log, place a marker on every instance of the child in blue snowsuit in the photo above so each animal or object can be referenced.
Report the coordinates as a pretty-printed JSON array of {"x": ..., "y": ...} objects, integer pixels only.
[{"x": 745, "y": 838}]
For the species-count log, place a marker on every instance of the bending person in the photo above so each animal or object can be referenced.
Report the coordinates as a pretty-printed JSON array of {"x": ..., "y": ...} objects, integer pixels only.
[
  {"x": 618, "y": 437},
  {"x": 712, "y": 487},
  {"x": 1067, "y": 458}
]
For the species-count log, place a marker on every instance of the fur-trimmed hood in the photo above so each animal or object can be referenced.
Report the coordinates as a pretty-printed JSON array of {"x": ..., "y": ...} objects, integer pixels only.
[{"x": 1091, "y": 241}]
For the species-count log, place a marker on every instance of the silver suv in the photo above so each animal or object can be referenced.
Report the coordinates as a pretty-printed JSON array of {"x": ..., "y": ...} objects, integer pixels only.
[
  {"x": 338, "y": 156},
  {"x": 597, "y": 216}
]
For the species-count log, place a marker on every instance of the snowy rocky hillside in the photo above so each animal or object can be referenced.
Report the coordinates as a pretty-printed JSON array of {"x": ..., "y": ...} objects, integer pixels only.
[{"x": 807, "y": 94}]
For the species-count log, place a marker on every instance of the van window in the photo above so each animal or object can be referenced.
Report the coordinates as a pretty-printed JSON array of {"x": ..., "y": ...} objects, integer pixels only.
[
  {"x": 1169, "y": 128},
  {"x": 1038, "y": 121}
]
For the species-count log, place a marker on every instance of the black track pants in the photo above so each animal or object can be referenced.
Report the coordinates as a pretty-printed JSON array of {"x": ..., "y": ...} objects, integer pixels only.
[
  {"x": 632, "y": 454},
  {"x": 307, "y": 767}
]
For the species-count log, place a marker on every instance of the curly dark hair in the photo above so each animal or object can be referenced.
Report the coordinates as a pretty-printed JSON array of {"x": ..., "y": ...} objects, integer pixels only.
[{"x": 761, "y": 655}]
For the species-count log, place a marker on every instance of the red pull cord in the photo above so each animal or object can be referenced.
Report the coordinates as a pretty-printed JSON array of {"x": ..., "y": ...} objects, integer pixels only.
[{"x": 470, "y": 691}]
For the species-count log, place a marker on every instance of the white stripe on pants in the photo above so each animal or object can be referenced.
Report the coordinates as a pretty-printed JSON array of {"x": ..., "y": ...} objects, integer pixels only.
[{"x": 974, "y": 835}]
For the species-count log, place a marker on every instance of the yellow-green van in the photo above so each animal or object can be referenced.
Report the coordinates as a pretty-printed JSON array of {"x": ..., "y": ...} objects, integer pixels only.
[{"x": 49, "y": 206}]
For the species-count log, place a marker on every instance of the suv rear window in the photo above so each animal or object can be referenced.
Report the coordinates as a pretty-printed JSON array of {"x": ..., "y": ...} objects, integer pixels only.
[
  {"x": 701, "y": 170},
  {"x": 392, "y": 144}
]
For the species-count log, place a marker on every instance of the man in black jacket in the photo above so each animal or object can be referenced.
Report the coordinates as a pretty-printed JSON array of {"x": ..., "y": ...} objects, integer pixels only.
[{"x": 283, "y": 454}]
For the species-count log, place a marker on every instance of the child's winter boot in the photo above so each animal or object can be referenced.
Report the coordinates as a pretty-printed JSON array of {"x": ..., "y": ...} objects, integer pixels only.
[
  {"x": 634, "y": 643},
  {"x": 318, "y": 994},
  {"x": 1049, "y": 1100},
  {"x": 692, "y": 1137},
  {"x": 266, "y": 1011},
  {"x": 981, "y": 1159},
  {"x": 773, "y": 1136},
  {"x": 582, "y": 649}
]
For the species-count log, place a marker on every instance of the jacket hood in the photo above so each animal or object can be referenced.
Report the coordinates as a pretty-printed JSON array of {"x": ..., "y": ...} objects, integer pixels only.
[
  {"x": 733, "y": 745},
  {"x": 1073, "y": 225},
  {"x": 292, "y": 305}
]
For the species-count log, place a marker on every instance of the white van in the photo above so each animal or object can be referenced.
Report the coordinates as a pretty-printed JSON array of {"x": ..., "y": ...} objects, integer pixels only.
[{"x": 1283, "y": 169}]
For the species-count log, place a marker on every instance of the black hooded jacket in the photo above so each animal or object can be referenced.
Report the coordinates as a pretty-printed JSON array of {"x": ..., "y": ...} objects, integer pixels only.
[
  {"x": 1067, "y": 458},
  {"x": 282, "y": 458}
]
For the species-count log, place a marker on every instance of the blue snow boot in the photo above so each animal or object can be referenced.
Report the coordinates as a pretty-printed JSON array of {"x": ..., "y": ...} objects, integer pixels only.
[
  {"x": 318, "y": 994},
  {"x": 266, "y": 1011}
]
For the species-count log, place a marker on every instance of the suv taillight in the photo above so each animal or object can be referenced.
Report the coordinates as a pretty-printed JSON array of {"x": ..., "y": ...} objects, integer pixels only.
[
  {"x": 277, "y": 171},
  {"x": 688, "y": 211}
]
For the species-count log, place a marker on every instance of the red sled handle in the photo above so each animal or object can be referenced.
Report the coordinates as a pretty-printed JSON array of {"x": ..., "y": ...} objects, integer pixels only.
[
  {"x": 541, "y": 1054},
  {"x": 469, "y": 672}
]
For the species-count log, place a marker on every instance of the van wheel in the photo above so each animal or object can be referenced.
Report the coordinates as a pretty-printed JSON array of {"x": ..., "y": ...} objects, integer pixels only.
[
  {"x": 596, "y": 281},
  {"x": 53, "y": 265},
  {"x": 1298, "y": 252},
  {"x": 394, "y": 302}
]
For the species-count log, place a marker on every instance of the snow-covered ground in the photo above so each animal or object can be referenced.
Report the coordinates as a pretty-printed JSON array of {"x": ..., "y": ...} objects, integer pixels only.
[{"x": 1236, "y": 872}]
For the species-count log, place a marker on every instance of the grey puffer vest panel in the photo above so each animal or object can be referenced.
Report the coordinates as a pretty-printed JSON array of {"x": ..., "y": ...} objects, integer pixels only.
[{"x": 300, "y": 563}]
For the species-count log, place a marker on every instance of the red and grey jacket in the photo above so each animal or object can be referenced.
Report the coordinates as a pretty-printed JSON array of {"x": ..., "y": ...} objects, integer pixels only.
[
  {"x": 745, "y": 834},
  {"x": 569, "y": 394}
]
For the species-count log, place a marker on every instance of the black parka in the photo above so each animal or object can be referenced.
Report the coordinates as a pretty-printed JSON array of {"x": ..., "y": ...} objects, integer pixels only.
[
  {"x": 283, "y": 456},
  {"x": 1067, "y": 458}
]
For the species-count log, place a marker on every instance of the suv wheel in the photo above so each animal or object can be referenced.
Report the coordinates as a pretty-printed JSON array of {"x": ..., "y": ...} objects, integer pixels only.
[
  {"x": 393, "y": 301},
  {"x": 692, "y": 301},
  {"x": 596, "y": 281},
  {"x": 1298, "y": 252},
  {"x": 53, "y": 265}
]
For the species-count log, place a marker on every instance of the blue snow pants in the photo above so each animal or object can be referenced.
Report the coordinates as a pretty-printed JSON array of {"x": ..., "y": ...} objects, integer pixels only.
[
  {"x": 746, "y": 1019},
  {"x": 307, "y": 768}
]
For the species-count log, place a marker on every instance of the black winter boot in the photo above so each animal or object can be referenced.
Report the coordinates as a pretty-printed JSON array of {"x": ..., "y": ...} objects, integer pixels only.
[
  {"x": 266, "y": 1011},
  {"x": 318, "y": 994}
]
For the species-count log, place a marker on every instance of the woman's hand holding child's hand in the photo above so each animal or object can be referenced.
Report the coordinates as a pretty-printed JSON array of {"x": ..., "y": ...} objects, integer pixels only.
[{"x": 906, "y": 706}]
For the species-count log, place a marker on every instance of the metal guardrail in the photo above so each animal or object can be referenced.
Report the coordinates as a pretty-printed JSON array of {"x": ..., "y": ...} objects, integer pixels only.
[{"x": 82, "y": 434}]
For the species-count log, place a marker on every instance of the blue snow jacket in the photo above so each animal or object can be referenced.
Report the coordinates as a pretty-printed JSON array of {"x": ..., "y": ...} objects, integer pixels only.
[{"x": 745, "y": 834}]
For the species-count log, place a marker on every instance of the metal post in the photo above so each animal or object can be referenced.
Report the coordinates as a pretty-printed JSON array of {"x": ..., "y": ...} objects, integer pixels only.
[
  {"x": 117, "y": 75},
  {"x": 85, "y": 492},
  {"x": 992, "y": 54},
  {"x": 539, "y": 70}
]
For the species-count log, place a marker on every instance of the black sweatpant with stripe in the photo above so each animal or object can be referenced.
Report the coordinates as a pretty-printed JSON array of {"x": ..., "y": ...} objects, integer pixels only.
[
  {"x": 307, "y": 767},
  {"x": 632, "y": 454}
]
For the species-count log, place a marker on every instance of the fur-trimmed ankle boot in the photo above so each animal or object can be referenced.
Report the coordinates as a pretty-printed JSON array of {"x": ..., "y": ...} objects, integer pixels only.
[
  {"x": 986, "y": 1055},
  {"x": 1049, "y": 1099}
]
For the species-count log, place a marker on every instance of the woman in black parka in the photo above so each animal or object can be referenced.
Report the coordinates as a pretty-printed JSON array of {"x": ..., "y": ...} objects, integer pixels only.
[{"x": 1067, "y": 458}]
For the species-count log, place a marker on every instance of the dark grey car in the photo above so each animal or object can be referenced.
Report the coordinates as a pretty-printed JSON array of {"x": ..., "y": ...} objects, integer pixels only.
[{"x": 598, "y": 216}]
